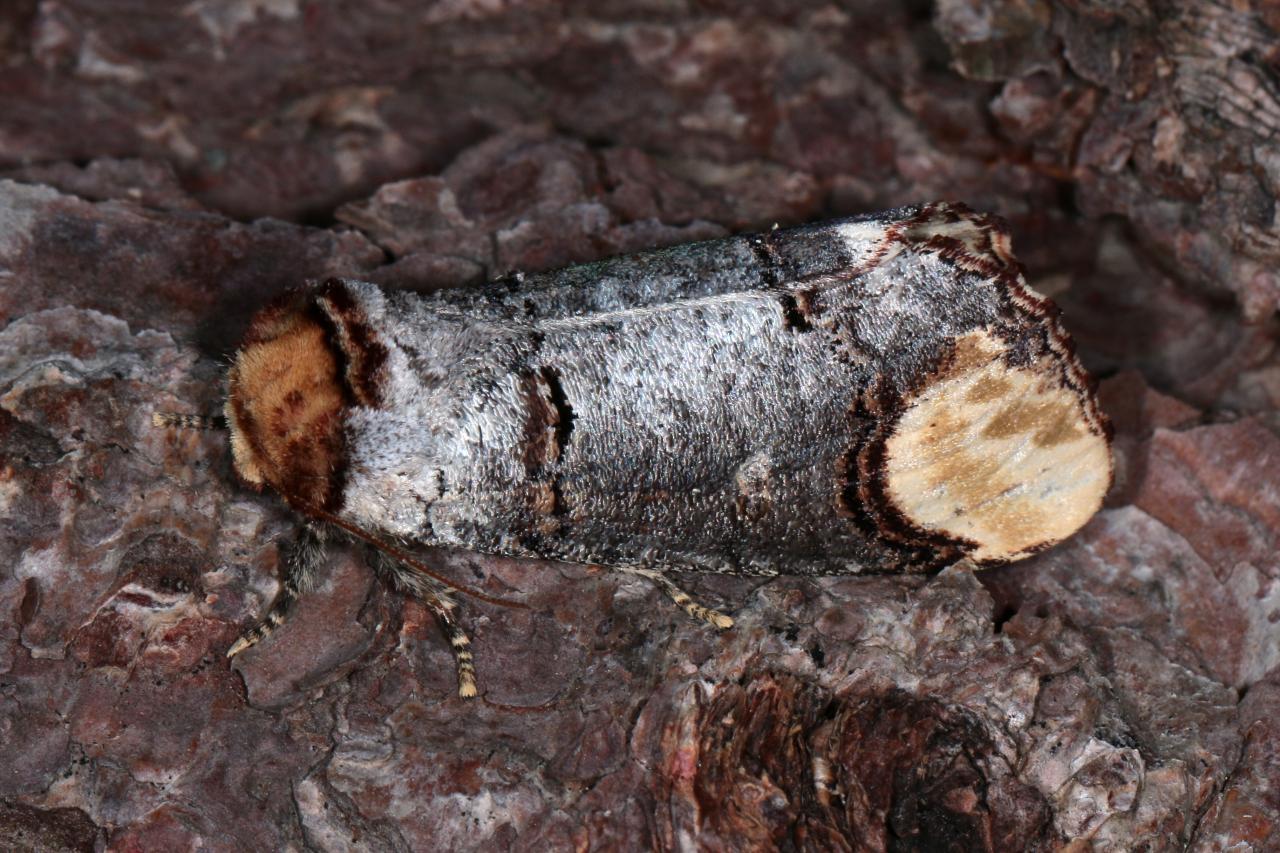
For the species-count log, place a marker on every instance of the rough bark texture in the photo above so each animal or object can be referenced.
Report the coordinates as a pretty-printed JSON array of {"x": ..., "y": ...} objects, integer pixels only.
[{"x": 1123, "y": 688}]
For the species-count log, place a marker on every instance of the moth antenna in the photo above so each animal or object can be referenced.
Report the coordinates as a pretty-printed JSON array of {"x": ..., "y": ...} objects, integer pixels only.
[
  {"x": 178, "y": 420},
  {"x": 398, "y": 554}
]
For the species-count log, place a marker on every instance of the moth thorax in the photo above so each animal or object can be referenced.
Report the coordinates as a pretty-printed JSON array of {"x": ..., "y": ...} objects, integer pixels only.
[
  {"x": 285, "y": 404},
  {"x": 1012, "y": 458}
]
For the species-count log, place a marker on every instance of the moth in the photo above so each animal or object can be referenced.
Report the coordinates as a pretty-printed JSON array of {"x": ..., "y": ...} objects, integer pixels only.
[{"x": 876, "y": 394}]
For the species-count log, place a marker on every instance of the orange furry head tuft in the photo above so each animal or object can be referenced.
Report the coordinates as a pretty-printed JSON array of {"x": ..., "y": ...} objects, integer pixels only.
[{"x": 285, "y": 405}]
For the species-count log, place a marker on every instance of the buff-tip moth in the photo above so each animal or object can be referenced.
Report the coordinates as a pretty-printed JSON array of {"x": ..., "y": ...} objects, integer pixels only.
[{"x": 876, "y": 394}]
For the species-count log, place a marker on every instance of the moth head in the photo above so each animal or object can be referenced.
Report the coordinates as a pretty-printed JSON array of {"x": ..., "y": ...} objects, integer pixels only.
[
  {"x": 1005, "y": 452},
  {"x": 286, "y": 401}
]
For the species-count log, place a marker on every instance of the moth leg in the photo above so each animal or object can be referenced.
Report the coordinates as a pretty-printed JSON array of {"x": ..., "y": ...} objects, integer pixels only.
[
  {"x": 436, "y": 597},
  {"x": 680, "y": 597},
  {"x": 302, "y": 558},
  {"x": 179, "y": 420}
]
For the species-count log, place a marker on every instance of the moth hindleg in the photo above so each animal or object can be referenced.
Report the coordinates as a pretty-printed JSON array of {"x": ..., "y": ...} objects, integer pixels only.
[
  {"x": 302, "y": 558},
  {"x": 680, "y": 597},
  {"x": 436, "y": 597}
]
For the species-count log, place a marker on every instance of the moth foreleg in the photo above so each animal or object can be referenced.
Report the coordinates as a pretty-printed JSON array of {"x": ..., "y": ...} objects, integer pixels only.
[
  {"x": 302, "y": 559},
  {"x": 436, "y": 597},
  {"x": 680, "y": 597}
]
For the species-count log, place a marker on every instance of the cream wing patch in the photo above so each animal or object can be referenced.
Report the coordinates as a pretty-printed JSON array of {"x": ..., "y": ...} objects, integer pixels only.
[{"x": 1003, "y": 457}]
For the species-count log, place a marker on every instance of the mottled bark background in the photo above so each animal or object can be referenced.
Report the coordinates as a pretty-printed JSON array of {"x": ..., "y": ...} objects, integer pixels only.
[{"x": 169, "y": 166}]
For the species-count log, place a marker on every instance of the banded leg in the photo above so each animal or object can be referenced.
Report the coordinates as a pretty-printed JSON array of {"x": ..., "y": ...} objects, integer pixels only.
[
  {"x": 302, "y": 557},
  {"x": 179, "y": 420},
  {"x": 680, "y": 597},
  {"x": 436, "y": 596}
]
